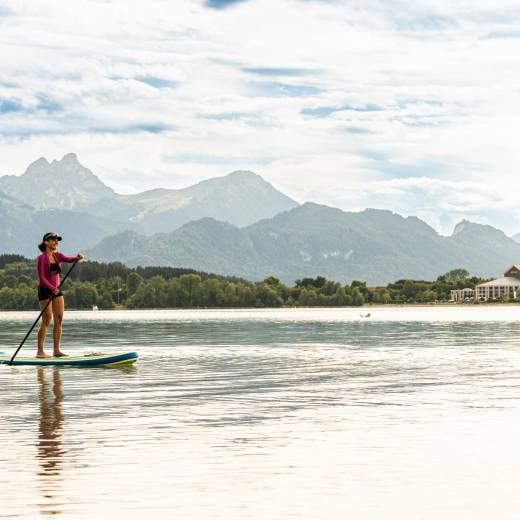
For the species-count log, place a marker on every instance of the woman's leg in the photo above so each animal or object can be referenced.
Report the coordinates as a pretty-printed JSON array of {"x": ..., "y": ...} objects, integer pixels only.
[
  {"x": 58, "y": 308},
  {"x": 42, "y": 331}
]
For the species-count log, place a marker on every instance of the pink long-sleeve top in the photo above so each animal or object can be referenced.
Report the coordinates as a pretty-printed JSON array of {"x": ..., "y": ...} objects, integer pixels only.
[{"x": 45, "y": 277}]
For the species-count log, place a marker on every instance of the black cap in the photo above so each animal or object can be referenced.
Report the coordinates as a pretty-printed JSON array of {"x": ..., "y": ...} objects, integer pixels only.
[{"x": 50, "y": 235}]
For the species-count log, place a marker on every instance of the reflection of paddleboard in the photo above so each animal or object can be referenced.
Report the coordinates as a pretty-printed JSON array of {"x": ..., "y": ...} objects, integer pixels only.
[{"x": 83, "y": 361}]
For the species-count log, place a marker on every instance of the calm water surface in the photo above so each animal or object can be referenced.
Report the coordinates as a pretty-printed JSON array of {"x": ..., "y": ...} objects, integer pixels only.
[{"x": 304, "y": 414}]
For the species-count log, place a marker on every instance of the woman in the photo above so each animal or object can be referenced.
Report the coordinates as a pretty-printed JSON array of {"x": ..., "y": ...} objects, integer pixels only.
[{"x": 48, "y": 288}]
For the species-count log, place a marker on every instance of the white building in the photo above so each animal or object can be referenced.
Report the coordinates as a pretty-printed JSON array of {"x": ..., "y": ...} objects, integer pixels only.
[
  {"x": 508, "y": 285},
  {"x": 462, "y": 295}
]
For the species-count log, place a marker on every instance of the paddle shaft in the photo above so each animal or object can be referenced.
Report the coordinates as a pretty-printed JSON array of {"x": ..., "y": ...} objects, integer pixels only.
[{"x": 41, "y": 313}]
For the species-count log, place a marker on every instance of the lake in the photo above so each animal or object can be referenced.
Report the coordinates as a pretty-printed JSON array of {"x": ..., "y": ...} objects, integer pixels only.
[{"x": 271, "y": 414}]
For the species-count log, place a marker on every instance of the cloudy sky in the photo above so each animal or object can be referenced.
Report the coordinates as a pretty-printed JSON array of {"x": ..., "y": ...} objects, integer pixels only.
[{"x": 408, "y": 106}]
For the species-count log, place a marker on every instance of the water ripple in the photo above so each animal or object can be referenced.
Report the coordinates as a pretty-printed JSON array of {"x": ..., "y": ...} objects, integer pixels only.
[{"x": 271, "y": 416}]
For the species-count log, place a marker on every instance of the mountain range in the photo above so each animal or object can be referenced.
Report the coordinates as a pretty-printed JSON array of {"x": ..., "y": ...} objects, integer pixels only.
[
  {"x": 236, "y": 225},
  {"x": 376, "y": 246},
  {"x": 64, "y": 195}
]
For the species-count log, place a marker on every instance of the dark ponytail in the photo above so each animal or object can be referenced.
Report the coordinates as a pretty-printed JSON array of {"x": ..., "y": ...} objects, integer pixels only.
[{"x": 42, "y": 247}]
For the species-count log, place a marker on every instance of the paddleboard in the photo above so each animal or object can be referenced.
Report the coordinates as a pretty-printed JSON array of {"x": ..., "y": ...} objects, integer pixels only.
[{"x": 90, "y": 360}]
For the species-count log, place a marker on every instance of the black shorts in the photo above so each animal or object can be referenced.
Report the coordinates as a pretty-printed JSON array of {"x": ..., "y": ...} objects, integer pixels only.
[{"x": 46, "y": 294}]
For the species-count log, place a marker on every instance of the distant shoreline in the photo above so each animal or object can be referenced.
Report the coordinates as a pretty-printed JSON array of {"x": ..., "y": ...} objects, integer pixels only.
[
  {"x": 373, "y": 306},
  {"x": 276, "y": 317}
]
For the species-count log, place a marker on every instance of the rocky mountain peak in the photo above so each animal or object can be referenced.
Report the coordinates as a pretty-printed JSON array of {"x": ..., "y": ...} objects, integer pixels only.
[
  {"x": 37, "y": 166},
  {"x": 61, "y": 184},
  {"x": 460, "y": 227},
  {"x": 244, "y": 174},
  {"x": 68, "y": 159},
  {"x": 466, "y": 230}
]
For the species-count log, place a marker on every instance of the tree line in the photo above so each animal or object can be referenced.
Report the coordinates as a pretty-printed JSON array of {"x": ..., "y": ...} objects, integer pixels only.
[{"x": 114, "y": 285}]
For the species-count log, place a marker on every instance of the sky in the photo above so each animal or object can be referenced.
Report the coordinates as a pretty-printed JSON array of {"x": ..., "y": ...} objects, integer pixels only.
[{"x": 407, "y": 106}]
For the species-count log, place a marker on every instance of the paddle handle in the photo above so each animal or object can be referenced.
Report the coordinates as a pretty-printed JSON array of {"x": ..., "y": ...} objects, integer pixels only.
[{"x": 41, "y": 313}]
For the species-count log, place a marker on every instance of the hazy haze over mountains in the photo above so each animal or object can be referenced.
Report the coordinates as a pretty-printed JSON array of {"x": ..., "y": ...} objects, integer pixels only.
[
  {"x": 376, "y": 246},
  {"x": 238, "y": 224},
  {"x": 240, "y": 198},
  {"x": 66, "y": 196}
]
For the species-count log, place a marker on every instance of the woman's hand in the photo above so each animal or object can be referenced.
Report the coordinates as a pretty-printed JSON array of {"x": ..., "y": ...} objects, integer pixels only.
[
  {"x": 56, "y": 291},
  {"x": 80, "y": 257}
]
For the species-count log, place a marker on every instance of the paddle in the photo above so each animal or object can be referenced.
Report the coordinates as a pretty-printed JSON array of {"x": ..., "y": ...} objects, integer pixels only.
[{"x": 43, "y": 310}]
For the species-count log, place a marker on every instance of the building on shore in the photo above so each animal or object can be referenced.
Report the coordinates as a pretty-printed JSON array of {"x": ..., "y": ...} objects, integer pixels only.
[
  {"x": 462, "y": 295},
  {"x": 508, "y": 285}
]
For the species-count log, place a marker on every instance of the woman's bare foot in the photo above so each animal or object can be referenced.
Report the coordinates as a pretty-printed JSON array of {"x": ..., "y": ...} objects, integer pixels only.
[
  {"x": 59, "y": 354},
  {"x": 42, "y": 355}
]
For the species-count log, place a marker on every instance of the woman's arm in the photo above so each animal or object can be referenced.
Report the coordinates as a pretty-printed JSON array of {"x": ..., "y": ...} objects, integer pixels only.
[
  {"x": 67, "y": 259},
  {"x": 42, "y": 278}
]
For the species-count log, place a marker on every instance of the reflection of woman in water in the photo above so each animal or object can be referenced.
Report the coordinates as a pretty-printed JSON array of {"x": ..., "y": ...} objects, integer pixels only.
[{"x": 51, "y": 421}]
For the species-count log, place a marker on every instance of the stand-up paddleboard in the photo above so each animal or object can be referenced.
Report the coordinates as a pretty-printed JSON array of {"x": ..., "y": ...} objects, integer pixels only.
[{"x": 90, "y": 360}]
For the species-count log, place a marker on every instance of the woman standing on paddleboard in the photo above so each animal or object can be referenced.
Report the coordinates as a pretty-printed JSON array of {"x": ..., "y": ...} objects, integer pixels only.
[{"x": 48, "y": 287}]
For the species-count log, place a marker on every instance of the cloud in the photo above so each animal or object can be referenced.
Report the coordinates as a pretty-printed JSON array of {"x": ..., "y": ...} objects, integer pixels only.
[
  {"x": 47, "y": 104},
  {"x": 24, "y": 131},
  {"x": 327, "y": 111},
  {"x": 328, "y": 100},
  {"x": 402, "y": 170},
  {"x": 278, "y": 89},
  {"x": 440, "y": 203},
  {"x": 409, "y": 18},
  {"x": 226, "y": 116},
  {"x": 228, "y": 161},
  {"x": 5, "y": 11},
  {"x": 278, "y": 71},
  {"x": 152, "y": 128},
  {"x": 39, "y": 103},
  {"x": 502, "y": 35},
  {"x": 156, "y": 82},
  {"x": 357, "y": 130},
  {"x": 222, "y": 4},
  {"x": 319, "y": 111},
  {"x": 10, "y": 105}
]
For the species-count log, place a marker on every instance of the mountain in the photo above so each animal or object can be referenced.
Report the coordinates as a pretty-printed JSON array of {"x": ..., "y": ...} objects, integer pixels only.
[
  {"x": 240, "y": 198},
  {"x": 516, "y": 237},
  {"x": 15, "y": 225},
  {"x": 64, "y": 184},
  {"x": 239, "y": 225},
  {"x": 25, "y": 217},
  {"x": 373, "y": 245},
  {"x": 22, "y": 228},
  {"x": 209, "y": 240}
]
